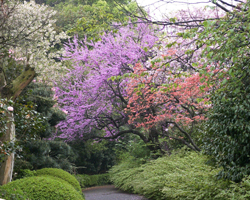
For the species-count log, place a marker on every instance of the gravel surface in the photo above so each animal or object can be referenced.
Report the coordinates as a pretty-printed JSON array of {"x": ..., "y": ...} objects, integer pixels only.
[{"x": 109, "y": 192}]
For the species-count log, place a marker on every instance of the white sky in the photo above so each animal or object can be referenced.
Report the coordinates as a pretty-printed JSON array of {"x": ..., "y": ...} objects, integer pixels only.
[{"x": 159, "y": 7}]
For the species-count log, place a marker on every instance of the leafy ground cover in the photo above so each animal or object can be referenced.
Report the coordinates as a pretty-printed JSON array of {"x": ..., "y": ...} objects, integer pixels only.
[{"x": 179, "y": 176}]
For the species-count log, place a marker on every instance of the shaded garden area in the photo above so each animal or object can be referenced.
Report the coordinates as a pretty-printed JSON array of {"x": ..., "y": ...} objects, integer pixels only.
[{"x": 97, "y": 87}]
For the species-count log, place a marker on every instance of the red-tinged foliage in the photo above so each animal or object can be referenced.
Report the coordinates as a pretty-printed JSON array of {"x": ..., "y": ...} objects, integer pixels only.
[{"x": 160, "y": 98}]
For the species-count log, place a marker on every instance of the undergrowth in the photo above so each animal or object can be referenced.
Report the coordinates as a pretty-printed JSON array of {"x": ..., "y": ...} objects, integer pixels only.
[
  {"x": 93, "y": 180},
  {"x": 180, "y": 176}
]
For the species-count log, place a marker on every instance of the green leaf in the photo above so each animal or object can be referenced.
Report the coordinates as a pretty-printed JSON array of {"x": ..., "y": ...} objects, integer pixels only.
[{"x": 224, "y": 81}]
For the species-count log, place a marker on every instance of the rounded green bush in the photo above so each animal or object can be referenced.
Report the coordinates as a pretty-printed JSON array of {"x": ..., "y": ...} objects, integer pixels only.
[
  {"x": 9, "y": 193},
  {"x": 59, "y": 173},
  {"x": 44, "y": 188}
]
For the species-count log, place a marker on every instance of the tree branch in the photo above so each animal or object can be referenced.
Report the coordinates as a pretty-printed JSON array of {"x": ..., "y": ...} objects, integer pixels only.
[
  {"x": 14, "y": 89},
  {"x": 120, "y": 133}
]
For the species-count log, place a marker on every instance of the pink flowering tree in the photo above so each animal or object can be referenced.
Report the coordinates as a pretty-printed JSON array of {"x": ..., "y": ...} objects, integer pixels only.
[
  {"x": 94, "y": 91},
  {"x": 98, "y": 90}
]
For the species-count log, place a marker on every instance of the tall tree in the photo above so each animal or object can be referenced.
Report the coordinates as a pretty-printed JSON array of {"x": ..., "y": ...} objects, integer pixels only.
[
  {"x": 25, "y": 37},
  {"x": 10, "y": 89},
  {"x": 93, "y": 99},
  {"x": 227, "y": 135},
  {"x": 226, "y": 42},
  {"x": 172, "y": 104},
  {"x": 165, "y": 93}
]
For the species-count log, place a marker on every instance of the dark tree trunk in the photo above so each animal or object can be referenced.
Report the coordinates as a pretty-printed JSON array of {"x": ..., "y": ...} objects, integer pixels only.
[{"x": 153, "y": 142}]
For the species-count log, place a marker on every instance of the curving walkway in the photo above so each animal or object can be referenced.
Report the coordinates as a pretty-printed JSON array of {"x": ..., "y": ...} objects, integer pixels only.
[{"x": 109, "y": 192}]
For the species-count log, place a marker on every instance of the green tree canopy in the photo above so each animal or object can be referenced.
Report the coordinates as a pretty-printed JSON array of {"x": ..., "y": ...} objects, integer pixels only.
[
  {"x": 226, "y": 54},
  {"x": 76, "y": 2},
  {"x": 91, "y": 20}
]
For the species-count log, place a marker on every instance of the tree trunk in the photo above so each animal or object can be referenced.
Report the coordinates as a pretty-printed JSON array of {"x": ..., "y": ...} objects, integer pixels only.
[
  {"x": 6, "y": 169},
  {"x": 153, "y": 142},
  {"x": 12, "y": 91}
]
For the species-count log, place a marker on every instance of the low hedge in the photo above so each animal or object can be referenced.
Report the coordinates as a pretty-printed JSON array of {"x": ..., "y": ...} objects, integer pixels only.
[
  {"x": 179, "y": 176},
  {"x": 59, "y": 173},
  {"x": 93, "y": 180},
  {"x": 43, "y": 188}
]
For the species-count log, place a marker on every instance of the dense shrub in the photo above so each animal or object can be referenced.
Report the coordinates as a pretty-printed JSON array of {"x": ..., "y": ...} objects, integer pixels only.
[
  {"x": 37, "y": 104},
  {"x": 132, "y": 147},
  {"x": 43, "y": 188},
  {"x": 227, "y": 138},
  {"x": 38, "y": 154},
  {"x": 179, "y": 176},
  {"x": 9, "y": 193},
  {"x": 24, "y": 173},
  {"x": 94, "y": 157},
  {"x": 228, "y": 122},
  {"x": 59, "y": 173},
  {"x": 93, "y": 180}
]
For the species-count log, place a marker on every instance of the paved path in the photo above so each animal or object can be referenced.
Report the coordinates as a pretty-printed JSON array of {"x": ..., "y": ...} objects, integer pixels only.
[{"x": 109, "y": 192}]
